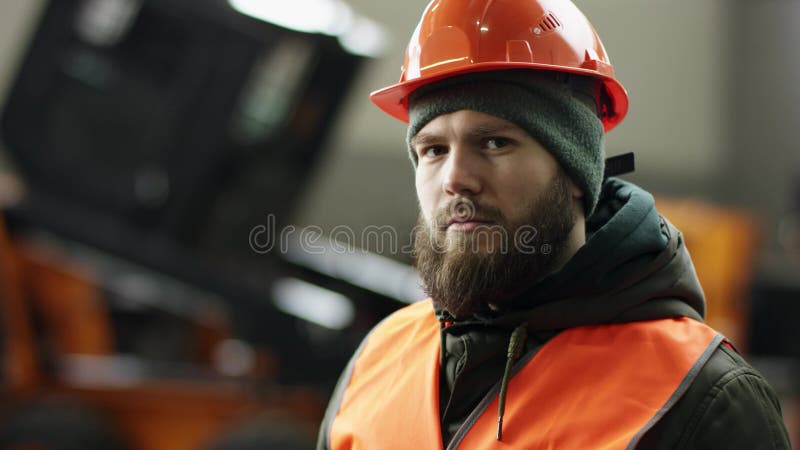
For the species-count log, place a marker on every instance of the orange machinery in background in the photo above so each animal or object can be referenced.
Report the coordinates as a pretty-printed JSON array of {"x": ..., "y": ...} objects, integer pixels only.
[
  {"x": 64, "y": 386},
  {"x": 159, "y": 135}
]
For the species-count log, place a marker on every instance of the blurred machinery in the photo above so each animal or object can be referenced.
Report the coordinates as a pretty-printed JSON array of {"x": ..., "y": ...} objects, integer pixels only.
[{"x": 138, "y": 308}]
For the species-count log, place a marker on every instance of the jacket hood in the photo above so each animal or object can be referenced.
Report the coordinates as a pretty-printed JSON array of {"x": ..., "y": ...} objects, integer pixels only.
[{"x": 634, "y": 266}]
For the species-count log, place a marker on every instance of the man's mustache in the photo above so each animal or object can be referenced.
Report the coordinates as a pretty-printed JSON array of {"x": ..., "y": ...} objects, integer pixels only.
[{"x": 465, "y": 209}]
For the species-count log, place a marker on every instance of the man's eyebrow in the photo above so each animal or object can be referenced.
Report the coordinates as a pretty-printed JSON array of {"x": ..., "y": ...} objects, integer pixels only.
[
  {"x": 476, "y": 132},
  {"x": 424, "y": 139},
  {"x": 488, "y": 129}
]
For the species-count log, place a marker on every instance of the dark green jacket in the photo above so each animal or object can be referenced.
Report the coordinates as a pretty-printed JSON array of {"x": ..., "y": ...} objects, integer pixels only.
[{"x": 634, "y": 266}]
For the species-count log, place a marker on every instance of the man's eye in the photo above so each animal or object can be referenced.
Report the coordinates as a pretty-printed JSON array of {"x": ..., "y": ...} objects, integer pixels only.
[
  {"x": 496, "y": 142},
  {"x": 435, "y": 150}
]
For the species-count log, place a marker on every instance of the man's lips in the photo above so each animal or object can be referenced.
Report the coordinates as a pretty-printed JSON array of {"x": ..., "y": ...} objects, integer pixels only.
[{"x": 466, "y": 225}]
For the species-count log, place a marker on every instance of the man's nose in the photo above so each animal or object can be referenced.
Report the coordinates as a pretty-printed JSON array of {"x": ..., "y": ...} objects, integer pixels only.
[{"x": 461, "y": 173}]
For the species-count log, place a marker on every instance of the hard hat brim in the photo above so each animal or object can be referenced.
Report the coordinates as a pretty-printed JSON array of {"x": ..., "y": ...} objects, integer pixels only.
[{"x": 393, "y": 100}]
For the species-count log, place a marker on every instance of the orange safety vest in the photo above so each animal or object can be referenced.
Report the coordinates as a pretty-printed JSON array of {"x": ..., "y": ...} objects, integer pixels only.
[{"x": 590, "y": 387}]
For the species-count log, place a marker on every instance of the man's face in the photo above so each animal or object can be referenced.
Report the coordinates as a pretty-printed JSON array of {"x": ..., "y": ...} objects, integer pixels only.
[{"x": 496, "y": 210}]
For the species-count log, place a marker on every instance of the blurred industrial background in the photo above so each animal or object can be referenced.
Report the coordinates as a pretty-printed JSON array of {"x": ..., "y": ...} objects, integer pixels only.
[{"x": 203, "y": 213}]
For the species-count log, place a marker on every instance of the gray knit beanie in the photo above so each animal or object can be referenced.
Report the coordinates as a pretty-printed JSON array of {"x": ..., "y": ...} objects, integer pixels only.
[{"x": 556, "y": 109}]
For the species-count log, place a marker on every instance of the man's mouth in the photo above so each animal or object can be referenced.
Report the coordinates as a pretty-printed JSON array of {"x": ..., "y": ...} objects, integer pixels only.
[{"x": 466, "y": 225}]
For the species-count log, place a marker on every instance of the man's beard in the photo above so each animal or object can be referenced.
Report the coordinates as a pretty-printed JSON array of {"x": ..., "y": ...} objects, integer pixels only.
[{"x": 468, "y": 272}]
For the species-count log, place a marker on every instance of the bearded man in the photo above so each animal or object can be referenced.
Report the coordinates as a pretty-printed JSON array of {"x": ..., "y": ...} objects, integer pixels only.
[{"x": 564, "y": 311}]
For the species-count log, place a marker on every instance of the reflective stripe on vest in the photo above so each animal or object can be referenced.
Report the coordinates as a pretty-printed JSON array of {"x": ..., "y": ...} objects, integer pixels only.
[{"x": 592, "y": 387}]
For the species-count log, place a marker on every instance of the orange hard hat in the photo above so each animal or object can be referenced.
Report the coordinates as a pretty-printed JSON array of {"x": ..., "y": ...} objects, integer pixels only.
[{"x": 456, "y": 37}]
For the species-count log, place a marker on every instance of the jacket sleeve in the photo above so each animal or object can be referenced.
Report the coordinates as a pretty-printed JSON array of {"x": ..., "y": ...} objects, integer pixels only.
[{"x": 730, "y": 405}]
